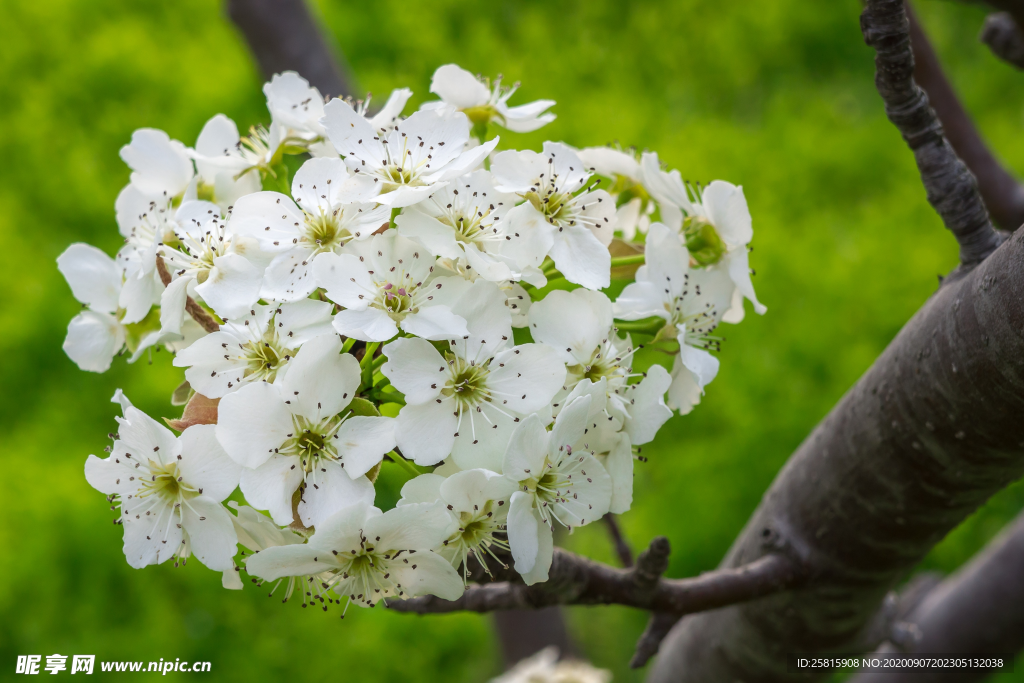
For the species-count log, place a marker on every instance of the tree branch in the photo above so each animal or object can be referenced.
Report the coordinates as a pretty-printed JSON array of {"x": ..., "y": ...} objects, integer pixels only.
[
  {"x": 1004, "y": 37},
  {"x": 197, "y": 312},
  {"x": 928, "y": 434},
  {"x": 576, "y": 580},
  {"x": 1002, "y": 194},
  {"x": 951, "y": 188},
  {"x": 283, "y": 36},
  {"x": 979, "y": 609},
  {"x": 622, "y": 548}
]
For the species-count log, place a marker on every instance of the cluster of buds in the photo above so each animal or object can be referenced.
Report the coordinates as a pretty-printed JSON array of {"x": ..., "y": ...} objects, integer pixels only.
[{"x": 410, "y": 297}]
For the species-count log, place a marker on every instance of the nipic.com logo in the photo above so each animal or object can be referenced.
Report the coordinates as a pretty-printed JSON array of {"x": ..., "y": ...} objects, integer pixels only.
[{"x": 85, "y": 664}]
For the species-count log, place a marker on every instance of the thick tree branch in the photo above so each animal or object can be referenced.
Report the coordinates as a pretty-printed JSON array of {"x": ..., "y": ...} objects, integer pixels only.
[
  {"x": 950, "y": 186},
  {"x": 284, "y": 36},
  {"x": 1003, "y": 195},
  {"x": 1004, "y": 37},
  {"x": 928, "y": 434},
  {"x": 979, "y": 609},
  {"x": 197, "y": 312},
  {"x": 576, "y": 580}
]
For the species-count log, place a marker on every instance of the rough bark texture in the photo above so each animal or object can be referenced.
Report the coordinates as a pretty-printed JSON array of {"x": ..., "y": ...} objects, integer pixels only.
[
  {"x": 283, "y": 36},
  {"x": 979, "y": 609},
  {"x": 1004, "y": 37},
  {"x": 1003, "y": 195}
]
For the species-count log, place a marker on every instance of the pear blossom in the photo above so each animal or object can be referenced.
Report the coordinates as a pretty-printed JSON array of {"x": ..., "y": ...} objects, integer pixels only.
[
  {"x": 692, "y": 302},
  {"x": 382, "y": 283},
  {"x": 561, "y": 212},
  {"x": 297, "y": 434},
  {"x": 365, "y": 555},
  {"x": 463, "y": 223},
  {"x": 330, "y": 209},
  {"x": 554, "y": 483},
  {"x": 411, "y": 161},
  {"x": 169, "y": 490},
  {"x": 256, "y": 347},
  {"x": 258, "y": 532},
  {"x": 484, "y": 102},
  {"x": 546, "y": 667},
  {"x": 145, "y": 223},
  {"x": 209, "y": 260},
  {"x": 716, "y": 227},
  {"x": 100, "y": 332},
  {"x": 467, "y": 401},
  {"x": 634, "y": 204},
  {"x": 477, "y": 501},
  {"x": 227, "y": 168},
  {"x": 161, "y": 167}
]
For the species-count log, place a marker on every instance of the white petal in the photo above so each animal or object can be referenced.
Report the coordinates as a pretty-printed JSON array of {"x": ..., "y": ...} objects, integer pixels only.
[
  {"x": 140, "y": 292},
  {"x": 321, "y": 380},
  {"x": 270, "y": 217},
  {"x": 342, "y": 531},
  {"x": 150, "y": 539},
  {"x": 515, "y": 171},
  {"x": 591, "y": 496},
  {"x": 727, "y": 210},
  {"x": 392, "y": 109},
  {"x": 458, "y": 87},
  {"x": 528, "y": 376},
  {"x": 232, "y": 287},
  {"x": 292, "y": 101},
  {"x": 351, "y": 134},
  {"x": 208, "y": 371},
  {"x": 362, "y": 442},
  {"x": 619, "y": 465},
  {"x": 530, "y": 237},
  {"x": 430, "y": 232},
  {"x": 527, "y": 449},
  {"x": 317, "y": 183},
  {"x": 411, "y": 527},
  {"x": 147, "y": 439},
  {"x": 93, "y": 339},
  {"x": 110, "y": 476},
  {"x": 211, "y": 534},
  {"x": 488, "y": 320},
  {"x": 648, "y": 411},
  {"x": 370, "y": 324},
  {"x": 289, "y": 560},
  {"x": 172, "y": 305},
  {"x": 252, "y": 422},
  {"x": 570, "y": 424},
  {"x": 290, "y": 276},
  {"x": 482, "y": 438},
  {"x": 299, "y": 321},
  {"x": 435, "y": 323},
  {"x": 415, "y": 368},
  {"x": 573, "y": 323},
  {"x": 159, "y": 165},
  {"x": 345, "y": 279},
  {"x": 271, "y": 485},
  {"x": 610, "y": 162},
  {"x": 581, "y": 257},
  {"x": 639, "y": 300},
  {"x": 94, "y": 277},
  {"x": 425, "y": 433},
  {"x": 524, "y": 531},
  {"x": 739, "y": 271},
  {"x": 545, "y": 553},
  {"x": 204, "y": 464},
  {"x": 471, "y": 489},
  {"x": 433, "y": 575},
  {"x": 425, "y": 488},
  {"x": 332, "y": 490},
  {"x": 700, "y": 363}
]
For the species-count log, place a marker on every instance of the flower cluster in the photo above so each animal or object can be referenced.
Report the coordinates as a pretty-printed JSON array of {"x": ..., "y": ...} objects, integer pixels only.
[{"x": 346, "y": 291}]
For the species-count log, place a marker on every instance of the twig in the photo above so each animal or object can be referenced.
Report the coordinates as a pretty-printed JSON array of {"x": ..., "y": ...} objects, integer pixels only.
[
  {"x": 658, "y": 627},
  {"x": 576, "y": 580},
  {"x": 283, "y": 36},
  {"x": 951, "y": 188},
  {"x": 622, "y": 548},
  {"x": 1004, "y": 37},
  {"x": 197, "y": 312},
  {"x": 1003, "y": 195}
]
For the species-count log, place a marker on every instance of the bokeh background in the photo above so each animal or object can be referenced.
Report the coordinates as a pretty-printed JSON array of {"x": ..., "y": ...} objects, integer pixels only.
[{"x": 776, "y": 96}]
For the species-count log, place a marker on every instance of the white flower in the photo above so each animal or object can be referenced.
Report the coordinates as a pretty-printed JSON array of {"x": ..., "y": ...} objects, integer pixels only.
[
  {"x": 329, "y": 210},
  {"x": 381, "y": 282},
  {"x": 634, "y": 204},
  {"x": 555, "y": 483},
  {"x": 257, "y": 532},
  {"x": 466, "y": 402},
  {"x": 254, "y": 348},
  {"x": 389, "y": 115},
  {"x": 545, "y": 667},
  {"x": 574, "y": 224},
  {"x": 297, "y": 434},
  {"x": 295, "y": 108},
  {"x": 716, "y": 227},
  {"x": 161, "y": 167},
  {"x": 477, "y": 501},
  {"x": 692, "y": 301},
  {"x": 484, "y": 102},
  {"x": 463, "y": 223},
  {"x": 98, "y": 333},
  {"x": 145, "y": 223},
  {"x": 411, "y": 161},
  {"x": 208, "y": 260},
  {"x": 368, "y": 555},
  {"x": 228, "y": 169},
  {"x": 169, "y": 490}
]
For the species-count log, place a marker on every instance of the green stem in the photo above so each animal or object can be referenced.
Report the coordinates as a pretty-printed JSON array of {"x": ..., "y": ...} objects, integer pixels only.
[
  {"x": 647, "y": 326},
  {"x": 347, "y": 346},
  {"x": 628, "y": 260},
  {"x": 394, "y": 215},
  {"x": 366, "y": 364},
  {"x": 552, "y": 273},
  {"x": 404, "y": 464}
]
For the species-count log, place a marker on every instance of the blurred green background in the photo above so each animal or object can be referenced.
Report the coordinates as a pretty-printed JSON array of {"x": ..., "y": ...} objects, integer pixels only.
[{"x": 776, "y": 96}]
